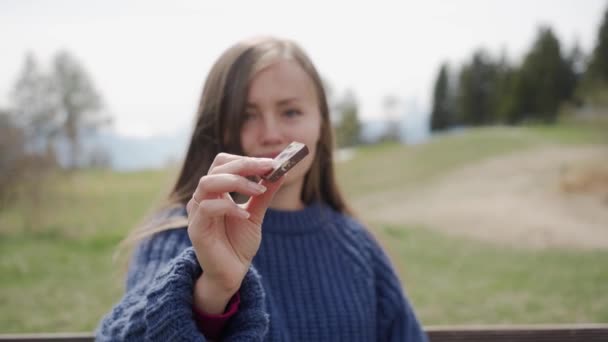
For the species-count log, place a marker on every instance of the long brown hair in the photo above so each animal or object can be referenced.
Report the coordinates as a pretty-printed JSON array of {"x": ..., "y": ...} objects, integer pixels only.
[{"x": 218, "y": 126}]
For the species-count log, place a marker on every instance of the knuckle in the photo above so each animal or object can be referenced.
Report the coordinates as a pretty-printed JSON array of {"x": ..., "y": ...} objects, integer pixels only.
[
  {"x": 204, "y": 206},
  {"x": 249, "y": 162},
  {"x": 193, "y": 202},
  {"x": 241, "y": 163},
  {"x": 217, "y": 160},
  {"x": 204, "y": 181},
  {"x": 254, "y": 163},
  {"x": 221, "y": 157}
]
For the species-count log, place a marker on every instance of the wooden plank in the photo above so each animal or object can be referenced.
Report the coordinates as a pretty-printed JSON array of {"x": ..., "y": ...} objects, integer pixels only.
[
  {"x": 506, "y": 333},
  {"x": 48, "y": 337},
  {"x": 524, "y": 333}
]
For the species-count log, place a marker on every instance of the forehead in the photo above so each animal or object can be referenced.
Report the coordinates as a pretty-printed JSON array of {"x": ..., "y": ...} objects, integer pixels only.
[{"x": 281, "y": 80}]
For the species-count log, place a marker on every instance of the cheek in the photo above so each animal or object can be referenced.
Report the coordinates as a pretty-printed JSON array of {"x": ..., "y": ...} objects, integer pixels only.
[
  {"x": 311, "y": 137},
  {"x": 247, "y": 141},
  {"x": 304, "y": 166},
  {"x": 308, "y": 133}
]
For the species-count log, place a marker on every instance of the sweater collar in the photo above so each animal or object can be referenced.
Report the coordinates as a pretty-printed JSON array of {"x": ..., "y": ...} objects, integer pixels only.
[{"x": 306, "y": 220}]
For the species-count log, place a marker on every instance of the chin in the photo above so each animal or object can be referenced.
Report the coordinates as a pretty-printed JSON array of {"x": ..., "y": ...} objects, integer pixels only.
[
  {"x": 293, "y": 179},
  {"x": 297, "y": 174}
]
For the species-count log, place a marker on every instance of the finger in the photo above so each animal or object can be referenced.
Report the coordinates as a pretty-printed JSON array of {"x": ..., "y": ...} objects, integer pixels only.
[
  {"x": 257, "y": 205},
  {"x": 245, "y": 166},
  {"x": 189, "y": 206},
  {"x": 211, "y": 186},
  {"x": 194, "y": 202},
  {"x": 212, "y": 208},
  {"x": 223, "y": 158}
]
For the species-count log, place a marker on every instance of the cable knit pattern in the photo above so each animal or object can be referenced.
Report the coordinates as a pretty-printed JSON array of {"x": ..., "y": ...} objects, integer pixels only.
[
  {"x": 157, "y": 304},
  {"x": 318, "y": 276}
]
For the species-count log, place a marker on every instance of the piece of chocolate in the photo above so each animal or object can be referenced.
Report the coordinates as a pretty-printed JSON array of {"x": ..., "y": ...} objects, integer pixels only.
[{"x": 287, "y": 159}]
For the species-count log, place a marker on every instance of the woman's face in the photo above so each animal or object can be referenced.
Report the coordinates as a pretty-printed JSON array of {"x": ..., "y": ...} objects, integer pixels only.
[{"x": 282, "y": 107}]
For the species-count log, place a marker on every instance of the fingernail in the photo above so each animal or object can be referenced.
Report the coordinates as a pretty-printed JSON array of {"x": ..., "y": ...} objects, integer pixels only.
[{"x": 258, "y": 188}]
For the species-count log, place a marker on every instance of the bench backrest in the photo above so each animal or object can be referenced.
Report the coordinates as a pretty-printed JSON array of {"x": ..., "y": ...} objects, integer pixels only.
[{"x": 532, "y": 333}]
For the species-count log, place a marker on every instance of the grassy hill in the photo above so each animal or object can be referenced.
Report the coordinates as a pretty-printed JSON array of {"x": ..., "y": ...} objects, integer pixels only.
[{"x": 57, "y": 274}]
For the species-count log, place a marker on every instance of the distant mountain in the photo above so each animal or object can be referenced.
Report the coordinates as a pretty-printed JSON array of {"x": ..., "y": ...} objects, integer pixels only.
[
  {"x": 128, "y": 153},
  {"x": 372, "y": 130},
  {"x": 132, "y": 153},
  {"x": 413, "y": 128}
]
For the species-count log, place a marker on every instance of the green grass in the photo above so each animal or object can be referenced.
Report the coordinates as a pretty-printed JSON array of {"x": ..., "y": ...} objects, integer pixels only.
[
  {"x": 56, "y": 270},
  {"x": 457, "y": 281},
  {"x": 59, "y": 275},
  {"x": 400, "y": 167},
  {"x": 89, "y": 204},
  {"x": 53, "y": 283}
]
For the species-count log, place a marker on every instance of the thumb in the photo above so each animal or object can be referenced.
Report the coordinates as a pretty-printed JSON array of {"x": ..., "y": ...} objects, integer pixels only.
[{"x": 257, "y": 205}]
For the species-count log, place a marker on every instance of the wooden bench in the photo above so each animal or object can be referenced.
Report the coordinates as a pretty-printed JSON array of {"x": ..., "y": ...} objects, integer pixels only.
[
  {"x": 507, "y": 333},
  {"x": 520, "y": 333}
]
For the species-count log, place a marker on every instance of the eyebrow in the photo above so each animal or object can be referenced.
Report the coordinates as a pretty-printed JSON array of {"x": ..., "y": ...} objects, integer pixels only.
[{"x": 279, "y": 103}]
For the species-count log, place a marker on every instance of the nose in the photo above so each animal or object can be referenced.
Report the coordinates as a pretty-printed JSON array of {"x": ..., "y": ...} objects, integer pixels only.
[{"x": 271, "y": 131}]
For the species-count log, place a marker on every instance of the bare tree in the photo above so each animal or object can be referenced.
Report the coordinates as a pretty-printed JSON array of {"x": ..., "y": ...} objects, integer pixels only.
[
  {"x": 45, "y": 107},
  {"x": 27, "y": 131},
  {"x": 80, "y": 106},
  {"x": 35, "y": 107}
]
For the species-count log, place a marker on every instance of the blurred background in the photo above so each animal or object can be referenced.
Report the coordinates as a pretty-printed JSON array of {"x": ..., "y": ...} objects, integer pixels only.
[{"x": 483, "y": 126}]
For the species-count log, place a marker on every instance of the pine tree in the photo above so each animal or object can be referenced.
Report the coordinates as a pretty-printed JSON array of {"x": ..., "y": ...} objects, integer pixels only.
[
  {"x": 544, "y": 79},
  {"x": 441, "y": 114},
  {"x": 598, "y": 66},
  {"x": 477, "y": 91},
  {"x": 504, "y": 96},
  {"x": 593, "y": 88}
]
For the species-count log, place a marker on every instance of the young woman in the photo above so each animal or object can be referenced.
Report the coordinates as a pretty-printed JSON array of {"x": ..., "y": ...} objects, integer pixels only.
[{"x": 290, "y": 263}]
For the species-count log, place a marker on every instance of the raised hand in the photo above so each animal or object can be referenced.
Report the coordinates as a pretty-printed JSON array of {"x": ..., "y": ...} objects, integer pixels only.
[{"x": 226, "y": 236}]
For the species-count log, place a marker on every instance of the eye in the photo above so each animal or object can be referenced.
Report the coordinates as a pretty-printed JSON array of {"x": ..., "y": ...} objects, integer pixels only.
[
  {"x": 290, "y": 113},
  {"x": 248, "y": 117}
]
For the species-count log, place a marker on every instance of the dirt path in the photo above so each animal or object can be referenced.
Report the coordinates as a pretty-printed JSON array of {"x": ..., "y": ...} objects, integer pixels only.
[{"x": 517, "y": 199}]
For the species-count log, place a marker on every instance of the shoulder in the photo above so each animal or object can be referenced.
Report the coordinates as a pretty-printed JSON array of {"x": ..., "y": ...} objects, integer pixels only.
[
  {"x": 354, "y": 231},
  {"x": 166, "y": 226},
  {"x": 356, "y": 238},
  {"x": 355, "y": 235},
  {"x": 163, "y": 236},
  {"x": 171, "y": 216}
]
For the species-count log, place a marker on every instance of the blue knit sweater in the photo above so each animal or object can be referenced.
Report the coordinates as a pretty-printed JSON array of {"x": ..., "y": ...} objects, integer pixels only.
[{"x": 318, "y": 276}]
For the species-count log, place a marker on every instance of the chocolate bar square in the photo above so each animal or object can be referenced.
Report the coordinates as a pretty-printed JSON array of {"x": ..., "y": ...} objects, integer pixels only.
[{"x": 286, "y": 160}]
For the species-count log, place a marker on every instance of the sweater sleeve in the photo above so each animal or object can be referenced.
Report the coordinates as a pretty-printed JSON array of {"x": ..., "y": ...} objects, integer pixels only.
[
  {"x": 158, "y": 302},
  {"x": 213, "y": 325},
  {"x": 396, "y": 319}
]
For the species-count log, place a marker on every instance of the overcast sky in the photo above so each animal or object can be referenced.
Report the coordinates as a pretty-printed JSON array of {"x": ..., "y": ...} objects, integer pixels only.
[{"x": 149, "y": 59}]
